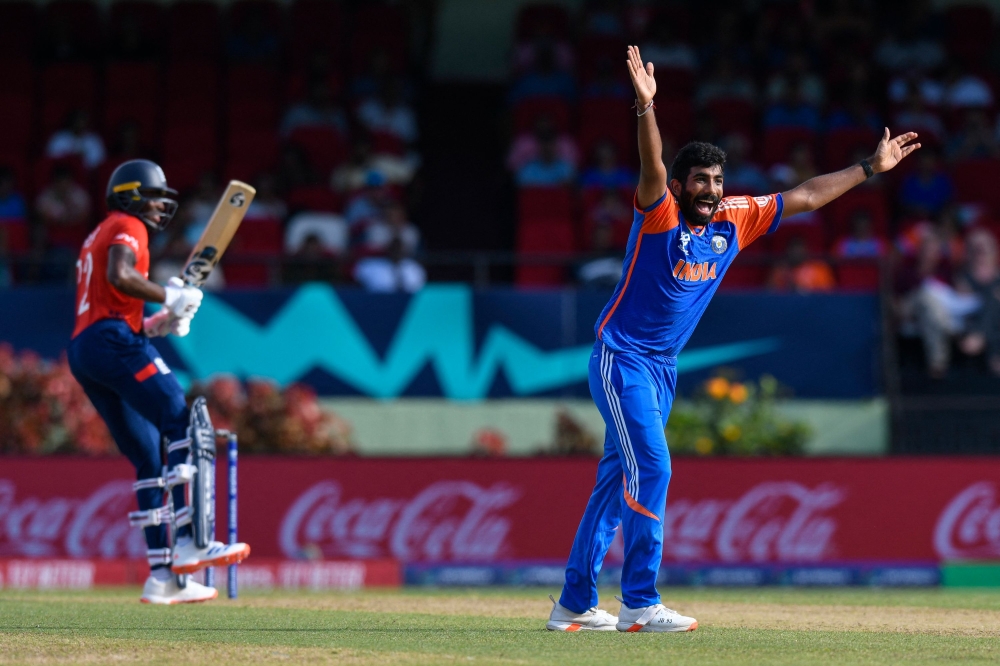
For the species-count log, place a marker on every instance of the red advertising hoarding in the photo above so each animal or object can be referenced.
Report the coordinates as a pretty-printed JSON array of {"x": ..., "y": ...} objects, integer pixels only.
[{"x": 509, "y": 510}]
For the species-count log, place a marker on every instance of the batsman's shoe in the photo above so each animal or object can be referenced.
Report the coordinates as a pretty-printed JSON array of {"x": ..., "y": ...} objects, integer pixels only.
[
  {"x": 653, "y": 618},
  {"x": 595, "y": 619},
  {"x": 167, "y": 592},
  {"x": 189, "y": 558}
]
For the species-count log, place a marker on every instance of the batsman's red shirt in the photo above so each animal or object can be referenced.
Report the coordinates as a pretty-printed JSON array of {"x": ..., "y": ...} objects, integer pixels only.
[{"x": 96, "y": 299}]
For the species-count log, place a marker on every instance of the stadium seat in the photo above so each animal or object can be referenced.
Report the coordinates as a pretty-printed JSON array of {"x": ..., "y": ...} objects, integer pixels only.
[
  {"x": 379, "y": 27},
  {"x": 969, "y": 33},
  {"x": 246, "y": 83},
  {"x": 840, "y": 145},
  {"x": 549, "y": 237},
  {"x": 324, "y": 147},
  {"x": 132, "y": 80},
  {"x": 744, "y": 273},
  {"x": 184, "y": 172},
  {"x": 251, "y": 115},
  {"x": 253, "y": 150},
  {"x": 16, "y": 111},
  {"x": 545, "y": 203},
  {"x": 191, "y": 142},
  {"x": 65, "y": 87},
  {"x": 18, "y": 28},
  {"x": 192, "y": 79},
  {"x": 977, "y": 181},
  {"x": 15, "y": 236},
  {"x": 870, "y": 199},
  {"x": 778, "y": 142},
  {"x": 193, "y": 29},
  {"x": 314, "y": 198},
  {"x": 528, "y": 111},
  {"x": 315, "y": 25},
  {"x": 42, "y": 172},
  {"x": 606, "y": 120},
  {"x": 246, "y": 272},
  {"x": 858, "y": 275},
  {"x": 263, "y": 236},
  {"x": 814, "y": 235},
  {"x": 675, "y": 120},
  {"x": 595, "y": 50},
  {"x": 143, "y": 111}
]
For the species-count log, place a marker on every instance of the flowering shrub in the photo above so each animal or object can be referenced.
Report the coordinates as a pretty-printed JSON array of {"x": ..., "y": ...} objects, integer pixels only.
[
  {"x": 44, "y": 410},
  {"x": 734, "y": 418}
]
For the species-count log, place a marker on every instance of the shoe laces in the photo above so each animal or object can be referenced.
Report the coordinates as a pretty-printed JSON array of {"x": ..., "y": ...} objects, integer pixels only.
[{"x": 598, "y": 612}]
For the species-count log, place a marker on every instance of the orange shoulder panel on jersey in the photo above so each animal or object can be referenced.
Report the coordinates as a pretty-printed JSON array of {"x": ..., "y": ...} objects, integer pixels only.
[
  {"x": 752, "y": 216},
  {"x": 660, "y": 217},
  {"x": 127, "y": 230}
]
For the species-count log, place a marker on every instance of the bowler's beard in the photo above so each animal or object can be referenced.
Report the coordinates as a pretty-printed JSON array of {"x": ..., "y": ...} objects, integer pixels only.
[{"x": 690, "y": 209}]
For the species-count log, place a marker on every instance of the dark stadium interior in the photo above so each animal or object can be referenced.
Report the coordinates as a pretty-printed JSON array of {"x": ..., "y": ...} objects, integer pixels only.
[{"x": 330, "y": 109}]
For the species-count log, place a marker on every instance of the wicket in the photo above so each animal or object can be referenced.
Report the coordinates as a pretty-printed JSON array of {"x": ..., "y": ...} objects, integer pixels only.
[{"x": 232, "y": 445}]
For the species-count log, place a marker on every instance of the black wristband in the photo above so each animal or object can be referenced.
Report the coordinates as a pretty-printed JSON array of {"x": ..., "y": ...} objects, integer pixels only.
[{"x": 869, "y": 172}]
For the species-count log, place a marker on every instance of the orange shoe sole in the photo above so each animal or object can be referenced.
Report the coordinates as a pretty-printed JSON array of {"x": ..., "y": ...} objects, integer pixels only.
[{"x": 233, "y": 558}]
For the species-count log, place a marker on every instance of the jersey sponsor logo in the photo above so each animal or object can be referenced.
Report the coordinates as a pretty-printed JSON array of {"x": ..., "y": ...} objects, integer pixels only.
[
  {"x": 719, "y": 244},
  {"x": 128, "y": 239},
  {"x": 686, "y": 271}
]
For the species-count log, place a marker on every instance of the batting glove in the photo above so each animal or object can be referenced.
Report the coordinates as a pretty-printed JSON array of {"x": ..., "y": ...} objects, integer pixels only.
[{"x": 182, "y": 301}]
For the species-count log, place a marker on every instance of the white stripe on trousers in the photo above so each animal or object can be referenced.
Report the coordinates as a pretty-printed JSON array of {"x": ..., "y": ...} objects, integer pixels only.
[{"x": 614, "y": 404}]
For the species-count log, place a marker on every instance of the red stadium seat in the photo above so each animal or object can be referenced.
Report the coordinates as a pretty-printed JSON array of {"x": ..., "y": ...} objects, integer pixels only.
[
  {"x": 555, "y": 237},
  {"x": 744, "y": 274},
  {"x": 324, "y": 147},
  {"x": 528, "y": 111},
  {"x": 262, "y": 236},
  {"x": 840, "y": 146},
  {"x": 15, "y": 237},
  {"x": 869, "y": 199},
  {"x": 969, "y": 33},
  {"x": 16, "y": 111},
  {"x": 858, "y": 276},
  {"x": 254, "y": 150},
  {"x": 675, "y": 120},
  {"x": 43, "y": 168},
  {"x": 184, "y": 172},
  {"x": 143, "y": 111},
  {"x": 18, "y": 28},
  {"x": 977, "y": 181},
  {"x": 379, "y": 27},
  {"x": 131, "y": 80},
  {"x": 251, "y": 115},
  {"x": 18, "y": 76},
  {"x": 245, "y": 272},
  {"x": 65, "y": 87},
  {"x": 545, "y": 203},
  {"x": 193, "y": 79},
  {"x": 147, "y": 16},
  {"x": 315, "y": 25},
  {"x": 592, "y": 51},
  {"x": 191, "y": 142},
  {"x": 318, "y": 198},
  {"x": 814, "y": 235},
  {"x": 778, "y": 142},
  {"x": 251, "y": 83},
  {"x": 193, "y": 29},
  {"x": 606, "y": 120},
  {"x": 553, "y": 18}
]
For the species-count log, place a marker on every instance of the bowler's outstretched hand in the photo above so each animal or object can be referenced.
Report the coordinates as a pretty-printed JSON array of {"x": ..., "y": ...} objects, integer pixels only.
[
  {"x": 642, "y": 77},
  {"x": 891, "y": 152}
]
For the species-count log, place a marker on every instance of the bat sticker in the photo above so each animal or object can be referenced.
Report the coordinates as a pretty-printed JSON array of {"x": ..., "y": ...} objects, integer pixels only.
[
  {"x": 198, "y": 269},
  {"x": 237, "y": 200}
]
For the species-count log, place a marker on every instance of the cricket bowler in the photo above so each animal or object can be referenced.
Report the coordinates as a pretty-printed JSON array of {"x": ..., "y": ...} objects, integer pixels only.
[
  {"x": 135, "y": 393},
  {"x": 684, "y": 236}
]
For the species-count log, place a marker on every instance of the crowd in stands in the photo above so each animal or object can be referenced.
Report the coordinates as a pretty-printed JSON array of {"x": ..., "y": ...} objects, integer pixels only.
[
  {"x": 789, "y": 90},
  {"x": 313, "y": 102}
]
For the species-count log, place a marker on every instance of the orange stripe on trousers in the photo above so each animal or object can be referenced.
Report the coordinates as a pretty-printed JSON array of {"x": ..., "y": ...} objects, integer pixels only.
[{"x": 146, "y": 373}]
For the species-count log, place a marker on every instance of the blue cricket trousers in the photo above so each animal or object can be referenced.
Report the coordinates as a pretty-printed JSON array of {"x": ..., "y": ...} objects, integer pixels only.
[
  {"x": 634, "y": 393},
  {"x": 142, "y": 404}
]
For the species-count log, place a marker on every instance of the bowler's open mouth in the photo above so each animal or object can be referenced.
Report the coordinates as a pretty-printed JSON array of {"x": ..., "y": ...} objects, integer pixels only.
[{"x": 705, "y": 207}]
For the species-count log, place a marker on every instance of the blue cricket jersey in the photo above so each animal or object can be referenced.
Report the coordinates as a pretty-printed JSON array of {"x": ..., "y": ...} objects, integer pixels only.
[{"x": 672, "y": 269}]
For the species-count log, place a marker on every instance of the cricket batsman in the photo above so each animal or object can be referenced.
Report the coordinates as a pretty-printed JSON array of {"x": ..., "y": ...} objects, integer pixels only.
[
  {"x": 134, "y": 391},
  {"x": 684, "y": 236}
]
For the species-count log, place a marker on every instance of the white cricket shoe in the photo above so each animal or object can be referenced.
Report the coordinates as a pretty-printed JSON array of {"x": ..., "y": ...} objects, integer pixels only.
[
  {"x": 189, "y": 558},
  {"x": 653, "y": 618},
  {"x": 167, "y": 592},
  {"x": 563, "y": 619}
]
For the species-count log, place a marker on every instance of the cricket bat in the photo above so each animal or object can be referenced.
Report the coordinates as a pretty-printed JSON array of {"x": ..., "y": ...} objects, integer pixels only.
[{"x": 218, "y": 233}]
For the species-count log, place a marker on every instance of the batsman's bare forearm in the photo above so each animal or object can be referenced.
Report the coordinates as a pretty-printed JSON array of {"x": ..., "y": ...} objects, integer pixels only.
[
  {"x": 652, "y": 173},
  {"x": 821, "y": 190},
  {"x": 123, "y": 276}
]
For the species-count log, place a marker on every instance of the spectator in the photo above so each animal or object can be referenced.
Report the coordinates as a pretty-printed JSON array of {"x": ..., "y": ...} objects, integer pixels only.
[
  {"x": 76, "y": 138},
  {"x": 975, "y": 140},
  {"x": 609, "y": 223},
  {"x": 394, "y": 272},
  {"x": 856, "y": 113},
  {"x": 294, "y": 170},
  {"x": 329, "y": 230},
  {"x": 797, "y": 169},
  {"x": 862, "y": 243},
  {"x": 544, "y": 80},
  {"x": 666, "y": 51},
  {"x": 797, "y": 78},
  {"x": 527, "y": 146},
  {"x": 928, "y": 305},
  {"x": 607, "y": 82},
  {"x": 742, "y": 176},
  {"x": 798, "y": 272},
  {"x": 904, "y": 48},
  {"x": 388, "y": 114},
  {"x": 12, "y": 206},
  {"x": 928, "y": 189},
  {"x": 981, "y": 278},
  {"x": 392, "y": 224},
  {"x": 312, "y": 261},
  {"x": 63, "y": 208},
  {"x": 726, "y": 83},
  {"x": 366, "y": 168},
  {"x": 319, "y": 109},
  {"x": 606, "y": 171},
  {"x": 791, "y": 109},
  {"x": 368, "y": 203},
  {"x": 603, "y": 18},
  {"x": 916, "y": 117},
  {"x": 965, "y": 90},
  {"x": 929, "y": 90},
  {"x": 543, "y": 43},
  {"x": 548, "y": 169},
  {"x": 266, "y": 204},
  {"x": 613, "y": 212}
]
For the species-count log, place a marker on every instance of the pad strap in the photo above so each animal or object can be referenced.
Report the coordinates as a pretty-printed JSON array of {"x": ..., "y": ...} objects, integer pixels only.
[
  {"x": 148, "y": 483},
  {"x": 157, "y": 556},
  {"x": 179, "y": 445},
  {"x": 183, "y": 517},
  {"x": 150, "y": 517},
  {"x": 181, "y": 474}
]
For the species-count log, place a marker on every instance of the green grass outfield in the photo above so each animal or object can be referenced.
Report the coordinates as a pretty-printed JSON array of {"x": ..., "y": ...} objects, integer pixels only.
[{"x": 415, "y": 626}]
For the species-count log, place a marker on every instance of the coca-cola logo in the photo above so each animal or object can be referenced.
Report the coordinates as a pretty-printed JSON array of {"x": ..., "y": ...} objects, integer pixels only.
[
  {"x": 448, "y": 520},
  {"x": 60, "y": 526},
  {"x": 780, "y": 521},
  {"x": 969, "y": 527}
]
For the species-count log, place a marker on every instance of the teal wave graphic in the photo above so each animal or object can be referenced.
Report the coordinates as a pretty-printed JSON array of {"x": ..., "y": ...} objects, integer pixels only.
[{"x": 314, "y": 330}]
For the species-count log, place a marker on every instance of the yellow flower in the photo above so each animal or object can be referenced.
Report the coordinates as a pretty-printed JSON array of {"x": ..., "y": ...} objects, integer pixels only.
[
  {"x": 738, "y": 393},
  {"x": 732, "y": 432},
  {"x": 704, "y": 445},
  {"x": 717, "y": 387}
]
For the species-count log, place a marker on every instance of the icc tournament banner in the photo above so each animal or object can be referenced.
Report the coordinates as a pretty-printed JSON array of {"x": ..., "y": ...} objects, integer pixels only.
[
  {"x": 428, "y": 512},
  {"x": 455, "y": 342}
]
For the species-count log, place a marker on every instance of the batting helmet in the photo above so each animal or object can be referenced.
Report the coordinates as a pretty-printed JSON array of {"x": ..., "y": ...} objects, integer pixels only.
[{"x": 137, "y": 182}]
